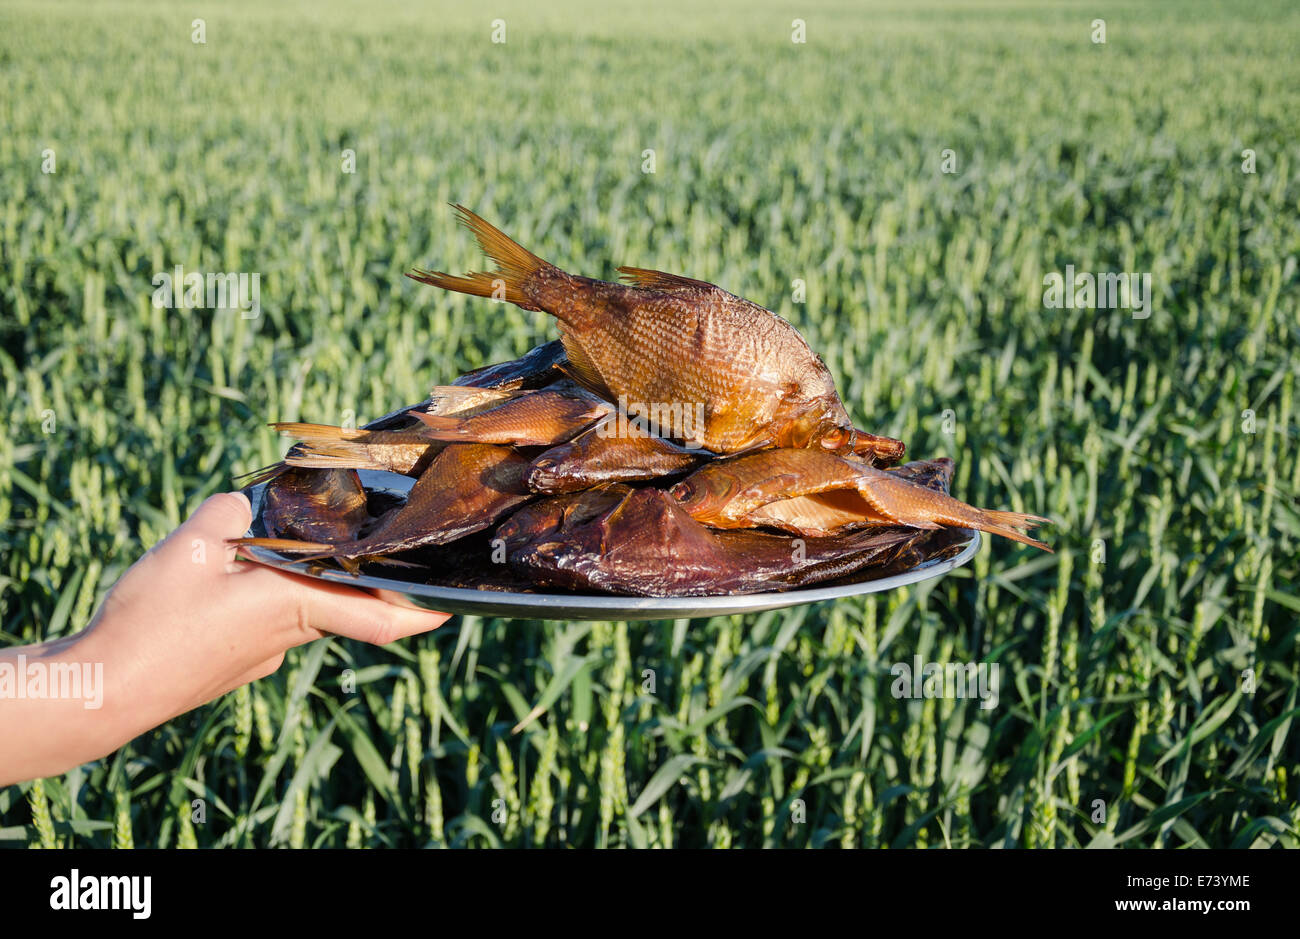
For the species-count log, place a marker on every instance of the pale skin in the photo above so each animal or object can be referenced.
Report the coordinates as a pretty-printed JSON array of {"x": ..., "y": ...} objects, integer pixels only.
[{"x": 186, "y": 624}]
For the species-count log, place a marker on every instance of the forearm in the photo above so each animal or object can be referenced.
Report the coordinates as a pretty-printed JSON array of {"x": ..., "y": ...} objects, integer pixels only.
[{"x": 57, "y": 708}]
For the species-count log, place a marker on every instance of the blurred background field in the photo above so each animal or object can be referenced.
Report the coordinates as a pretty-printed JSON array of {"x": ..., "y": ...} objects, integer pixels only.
[{"x": 1149, "y": 666}]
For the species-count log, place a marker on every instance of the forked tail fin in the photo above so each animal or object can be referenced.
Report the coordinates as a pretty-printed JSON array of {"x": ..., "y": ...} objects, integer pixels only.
[
  {"x": 1013, "y": 525},
  {"x": 515, "y": 265}
]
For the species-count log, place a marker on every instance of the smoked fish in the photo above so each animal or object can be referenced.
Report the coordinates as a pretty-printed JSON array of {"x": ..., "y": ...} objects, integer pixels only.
[
  {"x": 814, "y": 493},
  {"x": 667, "y": 340}
]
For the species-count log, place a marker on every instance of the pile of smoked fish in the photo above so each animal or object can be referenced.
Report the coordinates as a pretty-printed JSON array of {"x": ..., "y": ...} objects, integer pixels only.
[{"x": 676, "y": 440}]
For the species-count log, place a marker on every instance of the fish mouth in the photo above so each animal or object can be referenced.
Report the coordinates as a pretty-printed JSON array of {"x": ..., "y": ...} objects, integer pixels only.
[
  {"x": 541, "y": 473},
  {"x": 697, "y": 500},
  {"x": 703, "y": 500},
  {"x": 683, "y": 492}
]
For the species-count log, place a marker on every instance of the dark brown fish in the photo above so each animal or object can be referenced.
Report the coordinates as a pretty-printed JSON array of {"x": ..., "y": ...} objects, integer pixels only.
[
  {"x": 314, "y": 505},
  {"x": 541, "y": 366},
  {"x": 646, "y": 545},
  {"x": 601, "y": 455},
  {"x": 814, "y": 493},
  {"x": 671, "y": 340},
  {"x": 528, "y": 419},
  {"x": 466, "y": 488}
]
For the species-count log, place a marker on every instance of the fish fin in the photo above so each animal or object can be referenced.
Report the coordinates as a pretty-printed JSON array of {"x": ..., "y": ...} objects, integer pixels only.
[
  {"x": 262, "y": 475},
  {"x": 1013, "y": 525},
  {"x": 580, "y": 366},
  {"x": 760, "y": 444},
  {"x": 515, "y": 265},
  {"x": 285, "y": 545},
  {"x": 303, "y": 431},
  {"x": 662, "y": 280},
  {"x": 329, "y": 433},
  {"x": 342, "y": 456},
  {"x": 327, "y": 447},
  {"x": 464, "y": 400},
  {"x": 475, "y": 283},
  {"x": 897, "y": 499},
  {"x": 442, "y": 427}
]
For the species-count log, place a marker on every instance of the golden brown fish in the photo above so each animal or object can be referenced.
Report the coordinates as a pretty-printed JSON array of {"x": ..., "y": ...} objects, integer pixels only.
[
  {"x": 840, "y": 510},
  {"x": 814, "y": 493},
  {"x": 466, "y": 488},
  {"x": 670, "y": 340},
  {"x": 383, "y": 444},
  {"x": 395, "y": 451},
  {"x": 599, "y": 455},
  {"x": 529, "y": 419}
]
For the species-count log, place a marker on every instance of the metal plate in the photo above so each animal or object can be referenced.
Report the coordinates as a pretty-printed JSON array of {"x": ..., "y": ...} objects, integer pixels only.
[{"x": 552, "y": 606}]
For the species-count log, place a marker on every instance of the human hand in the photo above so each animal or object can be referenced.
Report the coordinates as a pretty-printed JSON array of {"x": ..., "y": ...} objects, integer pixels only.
[{"x": 187, "y": 623}]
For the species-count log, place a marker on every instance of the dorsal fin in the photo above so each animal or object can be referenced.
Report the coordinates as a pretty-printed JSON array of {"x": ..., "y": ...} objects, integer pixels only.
[{"x": 661, "y": 280}]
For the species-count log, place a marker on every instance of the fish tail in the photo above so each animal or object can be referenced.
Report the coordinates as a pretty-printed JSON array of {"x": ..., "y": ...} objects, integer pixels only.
[
  {"x": 516, "y": 266},
  {"x": 325, "y": 446},
  {"x": 337, "y": 456},
  {"x": 1013, "y": 525},
  {"x": 906, "y": 503}
]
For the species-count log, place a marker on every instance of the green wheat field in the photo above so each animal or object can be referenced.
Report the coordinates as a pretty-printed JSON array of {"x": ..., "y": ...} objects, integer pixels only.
[{"x": 1148, "y": 668}]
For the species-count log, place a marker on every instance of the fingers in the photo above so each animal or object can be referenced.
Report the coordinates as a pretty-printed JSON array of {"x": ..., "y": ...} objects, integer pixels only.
[{"x": 315, "y": 608}]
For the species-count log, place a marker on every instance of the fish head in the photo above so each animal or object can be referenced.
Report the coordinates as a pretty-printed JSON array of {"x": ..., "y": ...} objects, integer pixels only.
[{"x": 705, "y": 494}]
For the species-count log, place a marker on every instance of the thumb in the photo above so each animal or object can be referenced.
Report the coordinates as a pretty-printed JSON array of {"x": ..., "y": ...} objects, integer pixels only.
[
  {"x": 218, "y": 517},
  {"x": 221, "y": 516}
]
